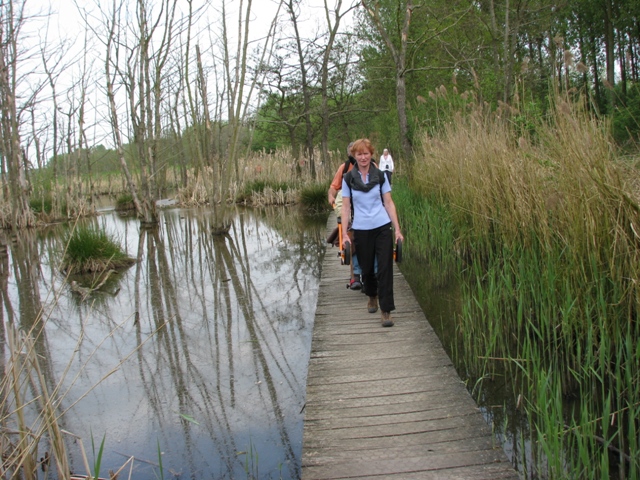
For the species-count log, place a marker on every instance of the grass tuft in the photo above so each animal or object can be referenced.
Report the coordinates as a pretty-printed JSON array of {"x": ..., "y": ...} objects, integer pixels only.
[
  {"x": 91, "y": 250},
  {"x": 313, "y": 198},
  {"x": 124, "y": 202}
]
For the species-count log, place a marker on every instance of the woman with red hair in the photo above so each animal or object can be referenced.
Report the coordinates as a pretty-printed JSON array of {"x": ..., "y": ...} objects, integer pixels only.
[{"x": 367, "y": 189}]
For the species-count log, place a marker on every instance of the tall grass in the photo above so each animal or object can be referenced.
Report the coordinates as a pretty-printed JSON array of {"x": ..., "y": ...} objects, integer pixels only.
[
  {"x": 545, "y": 223},
  {"x": 313, "y": 198}
]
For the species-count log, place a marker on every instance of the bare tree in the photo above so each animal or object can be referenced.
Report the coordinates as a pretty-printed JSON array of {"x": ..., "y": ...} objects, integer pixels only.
[
  {"x": 333, "y": 26},
  {"x": 190, "y": 103},
  {"x": 113, "y": 53},
  {"x": 142, "y": 76},
  {"x": 83, "y": 143},
  {"x": 12, "y": 17},
  {"x": 238, "y": 100},
  {"x": 293, "y": 8}
]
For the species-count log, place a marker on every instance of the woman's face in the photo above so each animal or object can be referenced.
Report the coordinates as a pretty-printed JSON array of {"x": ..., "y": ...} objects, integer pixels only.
[{"x": 363, "y": 157}]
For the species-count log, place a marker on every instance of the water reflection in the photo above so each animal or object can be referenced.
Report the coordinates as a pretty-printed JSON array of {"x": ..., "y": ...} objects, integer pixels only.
[{"x": 203, "y": 351}]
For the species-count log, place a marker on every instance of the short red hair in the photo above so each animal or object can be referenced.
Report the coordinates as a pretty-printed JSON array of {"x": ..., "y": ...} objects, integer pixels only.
[{"x": 362, "y": 145}]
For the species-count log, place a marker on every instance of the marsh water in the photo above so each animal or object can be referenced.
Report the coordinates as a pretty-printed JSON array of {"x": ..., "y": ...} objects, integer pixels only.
[
  {"x": 193, "y": 361},
  {"x": 440, "y": 296}
]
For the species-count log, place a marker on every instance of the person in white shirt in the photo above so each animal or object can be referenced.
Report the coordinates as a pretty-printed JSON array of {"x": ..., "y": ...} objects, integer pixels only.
[{"x": 386, "y": 164}]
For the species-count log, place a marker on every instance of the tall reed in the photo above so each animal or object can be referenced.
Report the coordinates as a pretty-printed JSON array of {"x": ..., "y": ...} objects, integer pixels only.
[
  {"x": 265, "y": 178},
  {"x": 546, "y": 225}
]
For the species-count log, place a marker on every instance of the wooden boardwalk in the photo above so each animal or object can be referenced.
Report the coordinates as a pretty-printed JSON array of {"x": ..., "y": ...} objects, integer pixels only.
[{"x": 387, "y": 402}]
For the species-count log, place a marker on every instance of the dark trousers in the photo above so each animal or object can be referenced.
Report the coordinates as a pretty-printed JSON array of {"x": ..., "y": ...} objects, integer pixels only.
[
  {"x": 389, "y": 175},
  {"x": 369, "y": 245}
]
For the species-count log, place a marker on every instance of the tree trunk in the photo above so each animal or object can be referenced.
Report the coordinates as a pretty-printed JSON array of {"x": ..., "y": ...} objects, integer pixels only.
[
  {"x": 399, "y": 58},
  {"x": 21, "y": 214},
  {"x": 609, "y": 42},
  {"x": 324, "y": 113},
  {"x": 597, "y": 84},
  {"x": 306, "y": 93},
  {"x": 494, "y": 40},
  {"x": 401, "y": 96},
  {"x": 623, "y": 63},
  {"x": 143, "y": 213}
]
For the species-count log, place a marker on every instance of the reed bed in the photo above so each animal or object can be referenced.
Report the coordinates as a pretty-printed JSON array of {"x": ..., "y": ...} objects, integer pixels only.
[
  {"x": 264, "y": 179},
  {"x": 284, "y": 176},
  {"x": 544, "y": 223}
]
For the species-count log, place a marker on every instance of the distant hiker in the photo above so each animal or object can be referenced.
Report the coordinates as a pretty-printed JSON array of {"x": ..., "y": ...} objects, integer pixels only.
[
  {"x": 335, "y": 199},
  {"x": 386, "y": 163}
]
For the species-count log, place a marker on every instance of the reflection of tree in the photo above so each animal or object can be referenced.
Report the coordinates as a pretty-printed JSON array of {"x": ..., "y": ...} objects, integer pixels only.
[
  {"x": 260, "y": 351},
  {"x": 4, "y": 293},
  {"x": 185, "y": 271},
  {"x": 37, "y": 411},
  {"x": 26, "y": 268},
  {"x": 172, "y": 346},
  {"x": 251, "y": 294}
]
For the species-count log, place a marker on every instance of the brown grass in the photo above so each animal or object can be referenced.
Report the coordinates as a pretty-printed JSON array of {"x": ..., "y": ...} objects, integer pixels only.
[{"x": 566, "y": 182}]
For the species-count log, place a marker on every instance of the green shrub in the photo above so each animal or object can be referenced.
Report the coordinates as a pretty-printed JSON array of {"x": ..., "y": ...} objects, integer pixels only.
[
  {"x": 314, "y": 198},
  {"x": 626, "y": 118},
  {"x": 41, "y": 204}
]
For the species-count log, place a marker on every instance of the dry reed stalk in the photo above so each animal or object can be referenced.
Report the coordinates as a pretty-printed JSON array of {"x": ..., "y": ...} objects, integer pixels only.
[
  {"x": 23, "y": 370},
  {"x": 48, "y": 408},
  {"x": 277, "y": 168},
  {"x": 25, "y": 452}
]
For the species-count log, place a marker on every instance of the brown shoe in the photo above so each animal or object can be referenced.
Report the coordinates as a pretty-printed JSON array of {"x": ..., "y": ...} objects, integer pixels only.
[
  {"x": 386, "y": 319},
  {"x": 372, "y": 306}
]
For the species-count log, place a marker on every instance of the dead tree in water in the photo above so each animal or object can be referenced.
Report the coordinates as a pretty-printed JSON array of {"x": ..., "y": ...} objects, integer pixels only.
[{"x": 141, "y": 75}]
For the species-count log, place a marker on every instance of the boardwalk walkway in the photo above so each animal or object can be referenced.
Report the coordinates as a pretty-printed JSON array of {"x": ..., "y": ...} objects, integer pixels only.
[{"x": 387, "y": 402}]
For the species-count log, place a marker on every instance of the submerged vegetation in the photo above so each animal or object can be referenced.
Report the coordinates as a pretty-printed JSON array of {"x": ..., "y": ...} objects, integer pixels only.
[{"x": 543, "y": 226}]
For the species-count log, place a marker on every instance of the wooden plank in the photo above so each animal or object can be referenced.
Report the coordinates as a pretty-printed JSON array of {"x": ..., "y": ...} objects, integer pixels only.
[{"x": 387, "y": 402}]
